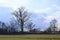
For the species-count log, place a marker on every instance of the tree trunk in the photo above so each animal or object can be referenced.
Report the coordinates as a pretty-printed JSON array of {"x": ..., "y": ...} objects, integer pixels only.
[{"x": 22, "y": 26}]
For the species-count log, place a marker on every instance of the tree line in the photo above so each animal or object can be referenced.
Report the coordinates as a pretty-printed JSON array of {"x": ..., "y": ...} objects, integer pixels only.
[{"x": 21, "y": 23}]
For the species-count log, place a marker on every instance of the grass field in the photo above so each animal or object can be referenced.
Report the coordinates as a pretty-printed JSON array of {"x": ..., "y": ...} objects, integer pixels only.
[{"x": 31, "y": 37}]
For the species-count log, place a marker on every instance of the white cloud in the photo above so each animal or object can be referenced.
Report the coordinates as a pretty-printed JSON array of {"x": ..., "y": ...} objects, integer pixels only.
[
  {"x": 49, "y": 17},
  {"x": 56, "y": 6},
  {"x": 43, "y": 10},
  {"x": 53, "y": 5},
  {"x": 53, "y": 16},
  {"x": 48, "y": 9},
  {"x": 13, "y": 3}
]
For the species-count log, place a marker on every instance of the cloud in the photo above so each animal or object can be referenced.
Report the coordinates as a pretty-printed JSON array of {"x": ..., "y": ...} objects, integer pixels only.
[
  {"x": 52, "y": 8},
  {"x": 53, "y": 5},
  {"x": 52, "y": 16},
  {"x": 13, "y": 3},
  {"x": 44, "y": 10},
  {"x": 56, "y": 6}
]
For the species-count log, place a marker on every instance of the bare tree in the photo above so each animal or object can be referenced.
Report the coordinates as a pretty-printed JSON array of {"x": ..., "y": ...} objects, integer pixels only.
[
  {"x": 30, "y": 26},
  {"x": 22, "y": 16},
  {"x": 4, "y": 27},
  {"x": 12, "y": 26},
  {"x": 53, "y": 26}
]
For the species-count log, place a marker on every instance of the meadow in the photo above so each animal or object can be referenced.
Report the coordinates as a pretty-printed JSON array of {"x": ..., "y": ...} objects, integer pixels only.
[{"x": 31, "y": 37}]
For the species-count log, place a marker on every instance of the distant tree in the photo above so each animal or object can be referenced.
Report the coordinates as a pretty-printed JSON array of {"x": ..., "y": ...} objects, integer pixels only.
[
  {"x": 30, "y": 26},
  {"x": 0, "y": 24},
  {"x": 48, "y": 30},
  {"x": 22, "y": 16},
  {"x": 4, "y": 27},
  {"x": 13, "y": 25},
  {"x": 53, "y": 26},
  {"x": 1, "y": 27}
]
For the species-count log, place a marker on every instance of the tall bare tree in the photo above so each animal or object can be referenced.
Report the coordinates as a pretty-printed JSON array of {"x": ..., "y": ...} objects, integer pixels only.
[{"x": 22, "y": 16}]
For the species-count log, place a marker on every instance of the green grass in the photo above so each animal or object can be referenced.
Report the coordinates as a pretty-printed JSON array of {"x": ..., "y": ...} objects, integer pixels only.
[{"x": 31, "y": 37}]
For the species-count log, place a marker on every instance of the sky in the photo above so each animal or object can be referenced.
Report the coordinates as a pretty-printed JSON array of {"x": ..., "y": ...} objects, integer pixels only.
[{"x": 43, "y": 11}]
